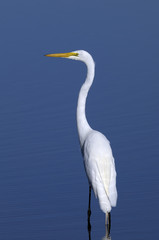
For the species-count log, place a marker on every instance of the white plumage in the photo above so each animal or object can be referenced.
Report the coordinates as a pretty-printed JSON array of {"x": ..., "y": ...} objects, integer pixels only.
[
  {"x": 100, "y": 169},
  {"x": 98, "y": 159},
  {"x": 97, "y": 153}
]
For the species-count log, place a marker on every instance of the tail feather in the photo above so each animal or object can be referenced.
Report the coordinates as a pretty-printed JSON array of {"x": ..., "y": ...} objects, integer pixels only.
[
  {"x": 104, "y": 202},
  {"x": 112, "y": 188}
]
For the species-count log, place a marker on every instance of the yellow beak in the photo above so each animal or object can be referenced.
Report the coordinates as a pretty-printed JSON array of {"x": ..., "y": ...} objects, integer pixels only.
[{"x": 64, "y": 55}]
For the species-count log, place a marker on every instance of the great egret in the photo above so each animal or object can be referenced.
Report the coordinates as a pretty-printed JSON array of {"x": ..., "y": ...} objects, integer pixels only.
[{"x": 95, "y": 147}]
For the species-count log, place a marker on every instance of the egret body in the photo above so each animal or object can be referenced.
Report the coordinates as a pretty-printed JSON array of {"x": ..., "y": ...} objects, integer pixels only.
[{"x": 95, "y": 147}]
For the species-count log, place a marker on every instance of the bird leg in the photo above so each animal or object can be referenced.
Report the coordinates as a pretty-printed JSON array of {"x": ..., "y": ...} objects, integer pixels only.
[
  {"x": 89, "y": 209},
  {"x": 108, "y": 223},
  {"x": 89, "y": 203}
]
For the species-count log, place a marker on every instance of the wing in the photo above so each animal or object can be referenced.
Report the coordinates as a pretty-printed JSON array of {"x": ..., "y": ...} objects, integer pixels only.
[
  {"x": 96, "y": 180},
  {"x": 106, "y": 168},
  {"x": 100, "y": 167}
]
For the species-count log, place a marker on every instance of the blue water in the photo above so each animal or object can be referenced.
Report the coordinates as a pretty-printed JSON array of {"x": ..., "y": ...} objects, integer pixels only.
[{"x": 43, "y": 186}]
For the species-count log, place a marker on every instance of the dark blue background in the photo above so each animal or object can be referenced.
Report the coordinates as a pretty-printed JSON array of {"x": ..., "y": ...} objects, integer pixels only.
[{"x": 43, "y": 187}]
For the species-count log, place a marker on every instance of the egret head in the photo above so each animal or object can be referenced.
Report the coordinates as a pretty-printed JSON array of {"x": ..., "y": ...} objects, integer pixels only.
[{"x": 80, "y": 55}]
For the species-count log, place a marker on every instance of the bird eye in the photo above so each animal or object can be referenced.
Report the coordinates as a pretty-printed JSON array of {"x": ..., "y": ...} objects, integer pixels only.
[{"x": 75, "y": 54}]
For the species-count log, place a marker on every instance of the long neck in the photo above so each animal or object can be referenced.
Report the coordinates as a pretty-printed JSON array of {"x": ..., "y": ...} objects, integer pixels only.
[{"x": 82, "y": 124}]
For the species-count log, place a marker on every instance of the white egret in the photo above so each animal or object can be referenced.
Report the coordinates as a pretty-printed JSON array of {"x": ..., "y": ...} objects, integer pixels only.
[{"x": 95, "y": 147}]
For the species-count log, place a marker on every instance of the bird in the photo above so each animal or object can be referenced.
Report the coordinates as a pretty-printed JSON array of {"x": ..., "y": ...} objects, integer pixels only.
[{"x": 97, "y": 154}]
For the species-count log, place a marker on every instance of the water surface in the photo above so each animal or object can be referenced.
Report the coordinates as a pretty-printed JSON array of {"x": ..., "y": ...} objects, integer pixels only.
[{"x": 43, "y": 187}]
